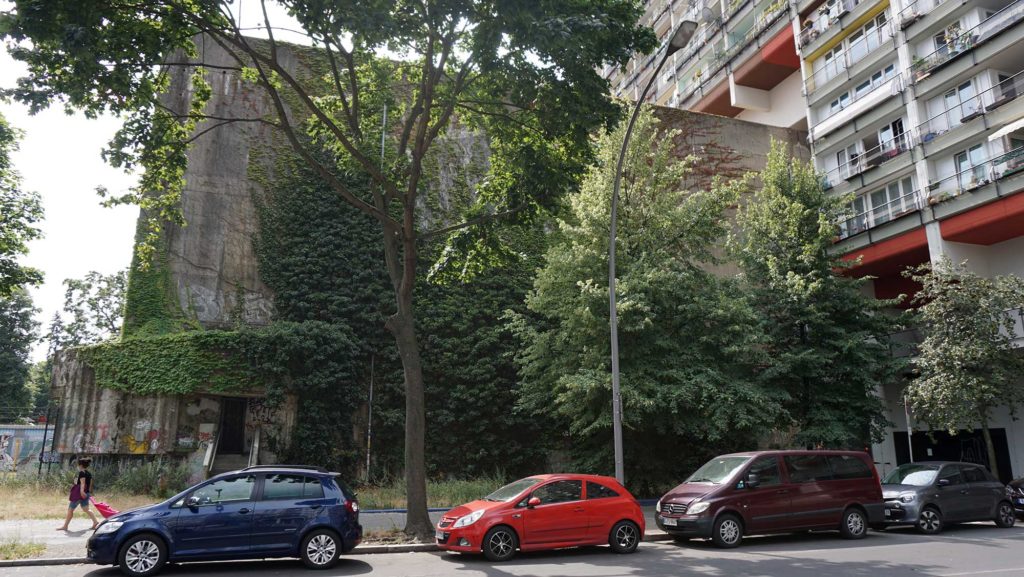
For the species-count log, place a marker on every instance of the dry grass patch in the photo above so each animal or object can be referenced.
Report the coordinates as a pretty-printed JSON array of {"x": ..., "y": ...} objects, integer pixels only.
[
  {"x": 14, "y": 549},
  {"x": 29, "y": 502}
]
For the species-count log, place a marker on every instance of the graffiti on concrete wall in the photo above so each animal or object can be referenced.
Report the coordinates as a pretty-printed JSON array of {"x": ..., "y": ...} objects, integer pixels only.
[
  {"x": 21, "y": 445},
  {"x": 261, "y": 413}
]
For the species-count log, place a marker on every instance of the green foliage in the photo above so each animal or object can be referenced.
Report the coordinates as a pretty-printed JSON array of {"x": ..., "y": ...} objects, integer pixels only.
[
  {"x": 686, "y": 348},
  {"x": 95, "y": 305},
  {"x": 967, "y": 365},
  {"x": 20, "y": 213},
  {"x": 446, "y": 493},
  {"x": 150, "y": 304},
  {"x": 825, "y": 341},
  {"x": 17, "y": 335}
]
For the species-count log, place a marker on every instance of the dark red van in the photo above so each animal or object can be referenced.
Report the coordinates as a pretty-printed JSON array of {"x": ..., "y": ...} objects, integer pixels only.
[{"x": 774, "y": 492}]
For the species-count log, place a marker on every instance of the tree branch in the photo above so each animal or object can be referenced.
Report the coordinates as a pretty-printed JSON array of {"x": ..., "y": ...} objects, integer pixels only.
[{"x": 472, "y": 222}]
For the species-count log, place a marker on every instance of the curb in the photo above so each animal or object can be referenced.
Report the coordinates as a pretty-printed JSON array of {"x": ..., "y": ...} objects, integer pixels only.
[{"x": 361, "y": 550}]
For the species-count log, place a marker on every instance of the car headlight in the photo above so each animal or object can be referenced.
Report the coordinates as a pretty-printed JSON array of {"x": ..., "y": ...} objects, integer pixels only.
[
  {"x": 697, "y": 508},
  {"x": 469, "y": 519},
  {"x": 657, "y": 507},
  {"x": 109, "y": 527},
  {"x": 908, "y": 497}
]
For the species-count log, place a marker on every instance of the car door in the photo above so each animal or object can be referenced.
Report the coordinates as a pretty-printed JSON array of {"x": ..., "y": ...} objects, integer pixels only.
[
  {"x": 216, "y": 518},
  {"x": 287, "y": 504},
  {"x": 812, "y": 504},
  {"x": 561, "y": 515},
  {"x": 604, "y": 509},
  {"x": 766, "y": 507},
  {"x": 984, "y": 491},
  {"x": 951, "y": 494}
]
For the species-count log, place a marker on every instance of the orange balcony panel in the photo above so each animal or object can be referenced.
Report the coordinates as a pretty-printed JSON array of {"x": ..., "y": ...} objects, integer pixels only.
[
  {"x": 776, "y": 61},
  {"x": 995, "y": 222},
  {"x": 717, "y": 102},
  {"x": 890, "y": 287},
  {"x": 891, "y": 256}
]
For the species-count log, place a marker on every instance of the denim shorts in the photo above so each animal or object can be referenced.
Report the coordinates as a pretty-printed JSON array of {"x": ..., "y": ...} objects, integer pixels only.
[{"x": 83, "y": 503}]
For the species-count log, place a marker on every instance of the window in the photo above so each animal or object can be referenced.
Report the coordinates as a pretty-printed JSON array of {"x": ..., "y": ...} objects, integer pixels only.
[
  {"x": 839, "y": 103},
  {"x": 224, "y": 490},
  {"x": 849, "y": 467},
  {"x": 891, "y": 136},
  {"x": 970, "y": 166},
  {"x": 598, "y": 491},
  {"x": 892, "y": 201},
  {"x": 950, "y": 473},
  {"x": 1007, "y": 87},
  {"x": 767, "y": 471},
  {"x": 858, "y": 220},
  {"x": 312, "y": 489},
  {"x": 834, "y": 63},
  {"x": 282, "y": 487},
  {"x": 559, "y": 492},
  {"x": 848, "y": 160},
  {"x": 808, "y": 468},
  {"x": 959, "y": 102},
  {"x": 973, "y": 474}
]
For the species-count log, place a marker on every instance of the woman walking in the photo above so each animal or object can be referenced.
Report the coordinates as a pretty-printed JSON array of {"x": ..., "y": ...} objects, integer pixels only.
[{"x": 80, "y": 493}]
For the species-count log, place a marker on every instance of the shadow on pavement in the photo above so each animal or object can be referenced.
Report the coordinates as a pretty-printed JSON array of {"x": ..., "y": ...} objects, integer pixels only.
[{"x": 345, "y": 566}]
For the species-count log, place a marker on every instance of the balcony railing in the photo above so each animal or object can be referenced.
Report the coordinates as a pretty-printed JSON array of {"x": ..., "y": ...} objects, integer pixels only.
[
  {"x": 981, "y": 103},
  {"x": 977, "y": 176},
  {"x": 915, "y": 11},
  {"x": 958, "y": 43},
  {"x": 877, "y": 215},
  {"x": 871, "y": 158},
  {"x": 853, "y": 54},
  {"x": 827, "y": 17}
]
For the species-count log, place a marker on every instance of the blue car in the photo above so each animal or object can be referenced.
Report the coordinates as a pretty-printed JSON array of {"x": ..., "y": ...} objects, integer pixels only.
[{"x": 254, "y": 513}]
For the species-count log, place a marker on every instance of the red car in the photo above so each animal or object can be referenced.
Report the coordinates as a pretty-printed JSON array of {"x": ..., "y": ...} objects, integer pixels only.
[{"x": 545, "y": 512}]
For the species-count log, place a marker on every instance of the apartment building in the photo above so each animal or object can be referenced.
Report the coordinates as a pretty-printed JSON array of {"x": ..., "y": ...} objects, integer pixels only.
[{"x": 910, "y": 106}]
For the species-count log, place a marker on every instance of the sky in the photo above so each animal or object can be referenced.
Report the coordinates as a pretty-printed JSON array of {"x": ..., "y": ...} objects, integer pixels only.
[{"x": 59, "y": 157}]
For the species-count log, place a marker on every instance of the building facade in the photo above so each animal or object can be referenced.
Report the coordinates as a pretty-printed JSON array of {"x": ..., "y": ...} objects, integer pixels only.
[{"x": 910, "y": 106}]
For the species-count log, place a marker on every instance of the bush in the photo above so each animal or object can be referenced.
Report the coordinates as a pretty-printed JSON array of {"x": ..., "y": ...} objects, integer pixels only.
[
  {"x": 157, "y": 478},
  {"x": 449, "y": 493}
]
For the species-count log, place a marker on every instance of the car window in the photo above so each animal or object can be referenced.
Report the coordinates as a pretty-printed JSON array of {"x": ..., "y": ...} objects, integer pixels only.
[
  {"x": 849, "y": 467},
  {"x": 598, "y": 491},
  {"x": 313, "y": 489},
  {"x": 224, "y": 490},
  {"x": 807, "y": 468},
  {"x": 767, "y": 471},
  {"x": 559, "y": 492},
  {"x": 951, "y": 473},
  {"x": 283, "y": 487},
  {"x": 973, "y": 474}
]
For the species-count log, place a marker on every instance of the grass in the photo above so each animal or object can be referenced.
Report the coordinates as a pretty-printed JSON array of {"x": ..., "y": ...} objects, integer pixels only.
[
  {"x": 33, "y": 502},
  {"x": 20, "y": 550},
  {"x": 439, "y": 493}
]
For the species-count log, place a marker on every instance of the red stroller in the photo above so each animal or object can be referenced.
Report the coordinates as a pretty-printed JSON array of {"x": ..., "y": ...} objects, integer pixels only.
[{"x": 106, "y": 510}]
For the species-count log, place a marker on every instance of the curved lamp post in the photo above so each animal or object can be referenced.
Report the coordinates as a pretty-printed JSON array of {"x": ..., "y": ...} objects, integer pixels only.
[{"x": 680, "y": 38}]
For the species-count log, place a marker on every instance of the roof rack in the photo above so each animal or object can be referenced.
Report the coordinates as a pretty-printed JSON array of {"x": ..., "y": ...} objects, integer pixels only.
[{"x": 303, "y": 467}]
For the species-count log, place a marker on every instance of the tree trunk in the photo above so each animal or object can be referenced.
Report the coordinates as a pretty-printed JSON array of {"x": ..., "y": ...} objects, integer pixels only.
[{"x": 992, "y": 465}]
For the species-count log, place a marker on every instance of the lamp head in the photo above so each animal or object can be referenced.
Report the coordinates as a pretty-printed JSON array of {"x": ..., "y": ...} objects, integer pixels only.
[{"x": 682, "y": 36}]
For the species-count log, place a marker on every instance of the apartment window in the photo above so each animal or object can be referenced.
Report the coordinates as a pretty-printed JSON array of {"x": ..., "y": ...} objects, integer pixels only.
[
  {"x": 1007, "y": 88},
  {"x": 970, "y": 166},
  {"x": 849, "y": 160},
  {"x": 833, "y": 62},
  {"x": 890, "y": 136},
  {"x": 960, "y": 102},
  {"x": 892, "y": 200},
  {"x": 868, "y": 38},
  {"x": 858, "y": 221}
]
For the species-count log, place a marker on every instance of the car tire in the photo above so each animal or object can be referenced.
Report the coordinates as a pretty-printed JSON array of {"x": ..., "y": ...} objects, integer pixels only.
[
  {"x": 500, "y": 543},
  {"x": 727, "y": 531},
  {"x": 929, "y": 521},
  {"x": 1005, "y": 515},
  {"x": 320, "y": 549},
  {"x": 142, "y": 555},
  {"x": 854, "y": 524},
  {"x": 624, "y": 537}
]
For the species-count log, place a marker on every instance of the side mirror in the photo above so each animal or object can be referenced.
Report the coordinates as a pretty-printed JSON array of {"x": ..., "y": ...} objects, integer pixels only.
[
  {"x": 753, "y": 480},
  {"x": 533, "y": 502},
  {"x": 943, "y": 482},
  {"x": 192, "y": 502}
]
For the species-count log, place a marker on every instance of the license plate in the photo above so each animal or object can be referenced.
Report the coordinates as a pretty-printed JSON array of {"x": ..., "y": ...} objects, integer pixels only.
[
  {"x": 668, "y": 522},
  {"x": 1020, "y": 501},
  {"x": 439, "y": 535},
  {"x": 888, "y": 513}
]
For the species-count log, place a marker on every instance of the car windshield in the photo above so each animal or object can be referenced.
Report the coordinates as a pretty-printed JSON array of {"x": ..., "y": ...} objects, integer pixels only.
[
  {"x": 717, "y": 470},
  {"x": 912, "y": 474},
  {"x": 512, "y": 490}
]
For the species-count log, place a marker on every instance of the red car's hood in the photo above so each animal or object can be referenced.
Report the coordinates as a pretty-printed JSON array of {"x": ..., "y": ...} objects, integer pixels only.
[
  {"x": 463, "y": 510},
  {"x": 688, "y": 492}
]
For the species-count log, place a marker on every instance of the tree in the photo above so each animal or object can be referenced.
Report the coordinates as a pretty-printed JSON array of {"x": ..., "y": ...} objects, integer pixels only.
[
  {"x": 523, "y": 73},
  {"x": 20, "y": 213},
  {"x": 95, "y": 305},
  {"x": 967, "y": 365},
  {"x": 687, "y": 355},
  {"x": 825, "y": 340},
  {"x": 17, "y": 335}
]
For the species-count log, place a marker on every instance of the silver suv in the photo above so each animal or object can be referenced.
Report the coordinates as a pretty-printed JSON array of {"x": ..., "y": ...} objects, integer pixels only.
[{"x": 931, "y": 494}]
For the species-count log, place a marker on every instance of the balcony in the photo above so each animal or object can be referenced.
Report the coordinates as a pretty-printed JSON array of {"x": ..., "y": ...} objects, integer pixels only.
[
  {"x": 853, "y": 55},
  {"x": 915, "y": 11},
  {"x": 961, "y": 43},
  {"x": 872, "y": 158},
  {"x": 869, "y": 218},
  {"x": 827, "y": 18},
  {"x": 931, "y": 132},
  {"x": 858, "y": 104},
  {"x": 975, "y": 177}
]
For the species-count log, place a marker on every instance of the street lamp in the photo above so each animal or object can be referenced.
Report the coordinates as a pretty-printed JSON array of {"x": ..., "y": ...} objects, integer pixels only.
[{"x": 680, "y": 38}]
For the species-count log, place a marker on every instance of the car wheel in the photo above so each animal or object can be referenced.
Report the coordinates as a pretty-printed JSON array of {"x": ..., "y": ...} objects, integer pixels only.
[
  {"x": 142, "y": 555},
  {"x": 854, "y": 524},
  {"x": 929, "y": 521},
  {"x": 1005, "y": 515},
  {"x": 624, "y": 537},
  {"x": 727, "y": 531},
  {"x": 500, "y": 543},
  {"x": 320, "y": 549}
]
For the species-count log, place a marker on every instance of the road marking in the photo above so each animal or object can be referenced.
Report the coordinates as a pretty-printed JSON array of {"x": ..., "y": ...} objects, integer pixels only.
[{"x": 1017, "y": 570}]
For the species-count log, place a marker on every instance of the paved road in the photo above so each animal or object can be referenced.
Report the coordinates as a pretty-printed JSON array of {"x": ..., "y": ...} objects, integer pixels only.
[{"x": 968, "y": 551}]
